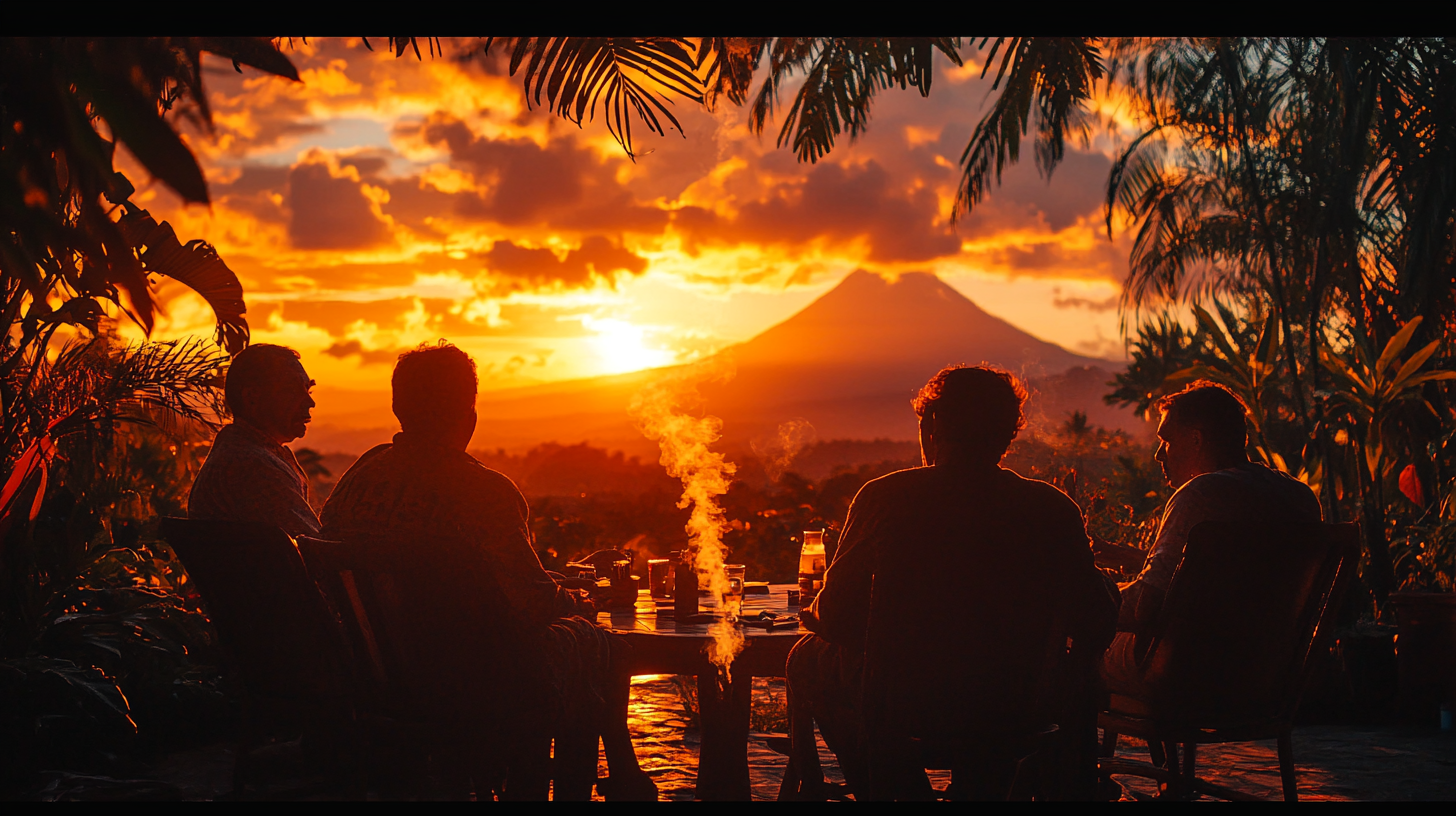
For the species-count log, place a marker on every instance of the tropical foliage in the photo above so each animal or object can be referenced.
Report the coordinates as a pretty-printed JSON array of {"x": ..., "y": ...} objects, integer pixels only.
[
  {"x": 1291, "y": 204},
  {"x": 1309, "y": 183}
]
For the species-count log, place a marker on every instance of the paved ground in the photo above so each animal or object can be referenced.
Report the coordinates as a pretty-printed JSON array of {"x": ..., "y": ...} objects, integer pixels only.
[{"x": 1335, "y": 762}]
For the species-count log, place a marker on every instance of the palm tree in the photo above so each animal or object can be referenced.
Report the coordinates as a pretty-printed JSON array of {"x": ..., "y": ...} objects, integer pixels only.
[
  {"x": 1159, "y": 348},
  {"x": 65, "y": 105},
  {"x": 1317, "y": 176},
  {"x": 1044, "y": 82}
]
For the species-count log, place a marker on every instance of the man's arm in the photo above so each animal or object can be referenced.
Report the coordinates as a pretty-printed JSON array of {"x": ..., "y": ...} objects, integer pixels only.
[
  {"x": 1143, "y": 596},
  {"x": 527, "y": 587}
]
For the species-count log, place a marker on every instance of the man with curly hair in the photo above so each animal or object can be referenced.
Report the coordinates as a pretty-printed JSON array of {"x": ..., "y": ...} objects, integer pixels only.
[{"x": 971, "y": 574}]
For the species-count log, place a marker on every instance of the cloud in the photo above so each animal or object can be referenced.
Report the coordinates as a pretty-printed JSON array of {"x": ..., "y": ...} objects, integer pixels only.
[
  {"x": 1074, "y": 302},
  {"x": 340, "y": 199},
  {"x": 597, "y": 256},
  {"x": 1076, "y": 189},
  {"x": 841, "y": 204},
  {"x": 351, "y": 348},
  {"x": 331, "y": 208}
]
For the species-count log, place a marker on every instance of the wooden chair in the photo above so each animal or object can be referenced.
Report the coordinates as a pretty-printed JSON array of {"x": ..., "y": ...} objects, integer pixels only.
[
  {"x": 995, "y": 748},
  {"x": 1244, "y": 613},
  {"x": 277, "y": 632},
  {"x": 428, "y": 632}
]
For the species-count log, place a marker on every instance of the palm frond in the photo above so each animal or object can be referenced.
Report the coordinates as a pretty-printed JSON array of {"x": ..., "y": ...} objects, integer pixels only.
[
  {"x": 727, "y": 65},
  {"x": 1054, "y": 74},
  {"x": 842, "y": 75},
  {"x": 629, "y": 77},
  {"x": 197, "y": 265}
]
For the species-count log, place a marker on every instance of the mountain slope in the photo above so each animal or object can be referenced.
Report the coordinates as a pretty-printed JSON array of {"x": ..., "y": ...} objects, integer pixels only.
[{"x": 849, "y": 363}]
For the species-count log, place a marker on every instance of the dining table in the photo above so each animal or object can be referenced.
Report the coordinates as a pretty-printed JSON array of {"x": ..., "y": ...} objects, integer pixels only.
[{"x": 660, "y": 644}]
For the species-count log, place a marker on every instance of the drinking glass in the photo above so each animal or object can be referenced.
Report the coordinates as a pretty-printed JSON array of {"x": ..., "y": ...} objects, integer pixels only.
[
  {"x": 735, "y": 574},
  {"x": 659, "y": 577}
]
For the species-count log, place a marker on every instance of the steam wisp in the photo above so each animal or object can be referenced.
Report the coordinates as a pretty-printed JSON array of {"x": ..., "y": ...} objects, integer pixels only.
[
  {"x": 778, "y": 453},
  {"x": 662, "y": 412}
]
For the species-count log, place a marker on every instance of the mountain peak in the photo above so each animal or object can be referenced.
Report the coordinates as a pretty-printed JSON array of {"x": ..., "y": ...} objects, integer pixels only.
[{"x": 910, "y": 321}]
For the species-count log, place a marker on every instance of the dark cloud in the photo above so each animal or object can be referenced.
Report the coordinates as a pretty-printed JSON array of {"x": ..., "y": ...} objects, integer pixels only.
[
  {"x": 253, "y": 191},
  {"x": 330, "y": 211},
  {"x": 1090, "y": 305},
  {"x": 1104, "y": 259},
  {"x": 414, "y": 205},
  {"x": 253, "y": 179},
  {"x": 1077, "y": 188},
  {"x": 520, "y": 183},
  {"x": 368, "y": 164},
  {"x": 597, "y": 256},
  {"x": 839, "y": 203},
  {"x": 353, "y": 348},
  {"x": 616, "y": 212}
]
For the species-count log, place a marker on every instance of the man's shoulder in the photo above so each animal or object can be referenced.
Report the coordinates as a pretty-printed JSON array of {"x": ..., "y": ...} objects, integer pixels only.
[
  {"x": 1045, "y": 498},
  {"x": 1248, "y": 476},
  {"x": 488, "y": 478},
  {"x": 1033, "y": 487},
  {"x": 461, "y": 471},
  {"x": 900, "y": 481},
  {"x": 900, "y": 478},
  {"x": 234, "y": 455}
]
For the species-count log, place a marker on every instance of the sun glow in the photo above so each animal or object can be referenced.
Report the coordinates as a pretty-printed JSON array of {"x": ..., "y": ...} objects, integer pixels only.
[{"x": 622, "y": 348}]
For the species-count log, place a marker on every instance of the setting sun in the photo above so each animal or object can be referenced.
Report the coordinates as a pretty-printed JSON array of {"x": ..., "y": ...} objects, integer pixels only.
[{"x": 621, "y": 347}]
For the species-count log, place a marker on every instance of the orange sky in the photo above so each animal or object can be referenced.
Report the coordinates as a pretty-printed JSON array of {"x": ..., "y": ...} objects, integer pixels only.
[{"x": 383, "y": 202}]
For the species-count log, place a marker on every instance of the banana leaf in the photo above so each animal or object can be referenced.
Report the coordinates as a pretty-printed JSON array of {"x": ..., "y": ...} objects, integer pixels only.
[{"x": 55, "y": 711}]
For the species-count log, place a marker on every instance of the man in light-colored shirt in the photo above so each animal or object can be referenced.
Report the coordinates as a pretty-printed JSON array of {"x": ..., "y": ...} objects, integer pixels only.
[
  {"x": 1202, "y": 443},
  {"x": 249, "y": 474}
]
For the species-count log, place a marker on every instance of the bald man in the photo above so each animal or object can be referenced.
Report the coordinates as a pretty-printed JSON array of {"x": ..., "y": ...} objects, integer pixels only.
[{"x": 249, "y": 474}]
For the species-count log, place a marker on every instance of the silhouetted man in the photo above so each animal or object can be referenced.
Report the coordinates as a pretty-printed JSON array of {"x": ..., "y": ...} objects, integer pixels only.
[
  {"x": 1202, "y": 442},
  {"x": 979, "y": 577},
  {"x": 424, "y": 490},
  {"x": 249, "y": 474}
]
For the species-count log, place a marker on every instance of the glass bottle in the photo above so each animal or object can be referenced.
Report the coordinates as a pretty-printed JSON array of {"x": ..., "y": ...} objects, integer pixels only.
[{"x": 811, "y": 565}]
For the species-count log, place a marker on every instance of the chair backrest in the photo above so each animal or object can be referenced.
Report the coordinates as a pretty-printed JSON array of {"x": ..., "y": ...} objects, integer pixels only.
[
  {"x": 971, "y": 677},
  {"x": 1243, "y": 614},
  {"x": 430, "y": 633},
  {"x": 269, "y": 615}
]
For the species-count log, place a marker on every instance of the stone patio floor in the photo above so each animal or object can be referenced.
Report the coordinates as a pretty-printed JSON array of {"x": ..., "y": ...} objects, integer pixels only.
[{"x": 1335, "y": 762}]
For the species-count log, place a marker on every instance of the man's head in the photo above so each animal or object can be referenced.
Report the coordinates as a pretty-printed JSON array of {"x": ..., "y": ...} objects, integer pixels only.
[
  {"x": 434, "y": 394},
  {"x": 969, "y": 414},
  {"x": 267, "y": 388},
  {"x": 1202, "y": 431}
]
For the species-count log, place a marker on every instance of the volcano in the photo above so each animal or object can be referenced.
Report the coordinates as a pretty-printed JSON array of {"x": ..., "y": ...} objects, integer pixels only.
[{"x": 849, "y": 363}]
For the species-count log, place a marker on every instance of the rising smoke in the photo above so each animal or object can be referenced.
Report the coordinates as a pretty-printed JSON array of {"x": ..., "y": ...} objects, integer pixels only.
[
  {"x": 779, "y": 452},
  {"x": 663, "y": 411}
]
